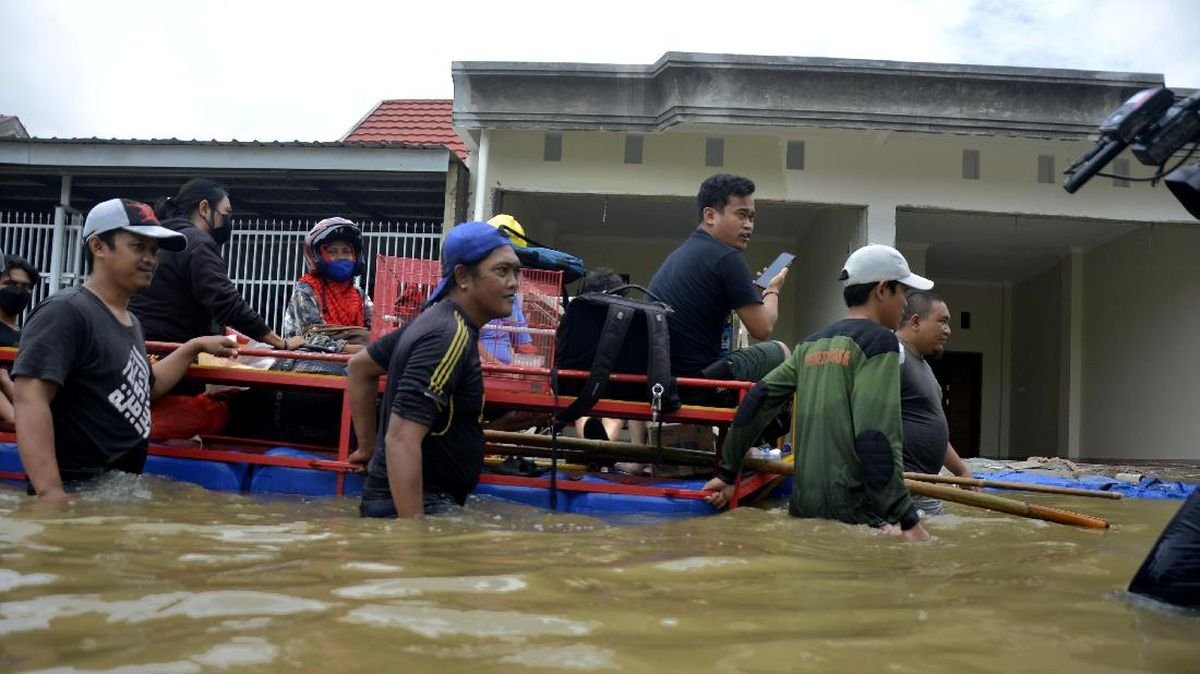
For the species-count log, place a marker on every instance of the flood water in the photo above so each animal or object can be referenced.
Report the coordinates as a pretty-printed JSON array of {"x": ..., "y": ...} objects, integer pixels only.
[{"x": 146, "y": 575}]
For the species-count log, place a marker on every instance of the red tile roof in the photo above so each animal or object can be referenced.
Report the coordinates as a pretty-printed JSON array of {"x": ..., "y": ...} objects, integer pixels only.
[{"x": 423, "y": 121}]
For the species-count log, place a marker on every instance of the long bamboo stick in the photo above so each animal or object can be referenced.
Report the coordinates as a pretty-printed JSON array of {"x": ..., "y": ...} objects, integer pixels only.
[
  {"x": 580, "y": 447},
  {"x": 605, "y": 448},
  {"x": 624, "y": 450},
  {"x": 1016, "y": 486},
  {"x": 1006, "y": 505}
]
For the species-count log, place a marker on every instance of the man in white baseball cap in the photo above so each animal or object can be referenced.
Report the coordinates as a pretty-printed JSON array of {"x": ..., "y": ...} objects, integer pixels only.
[
  {"x": 846, "y": 381},
  {"x": 134, "y": 217},
  {"x": 83, "y": 381}
]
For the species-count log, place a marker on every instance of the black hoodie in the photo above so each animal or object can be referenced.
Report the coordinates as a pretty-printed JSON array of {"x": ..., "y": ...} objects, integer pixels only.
[{"x": 191, "y": 294}]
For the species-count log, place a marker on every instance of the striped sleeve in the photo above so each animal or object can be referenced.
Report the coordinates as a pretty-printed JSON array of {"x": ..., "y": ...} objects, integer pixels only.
[{"x": 423, "y": 388}]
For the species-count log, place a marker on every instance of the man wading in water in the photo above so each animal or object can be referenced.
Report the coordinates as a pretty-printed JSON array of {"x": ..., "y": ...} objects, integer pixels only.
[
  {"x": 432, "y": 449},
  {"x": 846, "y": 379},
  {"x": 923, "y": 334},
  {"x": 83, "y": 382}
]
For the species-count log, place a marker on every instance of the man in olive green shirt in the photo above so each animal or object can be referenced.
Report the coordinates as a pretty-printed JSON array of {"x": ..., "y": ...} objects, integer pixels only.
[{"x": 847, "y": 432}]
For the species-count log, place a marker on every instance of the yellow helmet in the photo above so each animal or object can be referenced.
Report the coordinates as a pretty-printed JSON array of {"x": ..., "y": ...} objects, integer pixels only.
[{"x": 514, "y": 229}]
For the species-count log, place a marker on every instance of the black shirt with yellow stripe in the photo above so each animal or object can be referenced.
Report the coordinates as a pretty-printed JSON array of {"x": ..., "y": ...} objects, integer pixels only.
[{"x": 434, "y": 379}]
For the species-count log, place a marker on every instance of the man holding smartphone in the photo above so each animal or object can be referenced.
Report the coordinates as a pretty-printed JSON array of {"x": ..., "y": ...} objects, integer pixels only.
[{"x": 707, "y": 277}]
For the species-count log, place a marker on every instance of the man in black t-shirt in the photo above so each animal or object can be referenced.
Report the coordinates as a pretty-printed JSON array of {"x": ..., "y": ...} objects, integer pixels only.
[
  {"x": 83, "y": 381},
  {"x": 706, "y": 278},
  {"x": 923, "y": 332},
  {"x": 429, "y": 443}
]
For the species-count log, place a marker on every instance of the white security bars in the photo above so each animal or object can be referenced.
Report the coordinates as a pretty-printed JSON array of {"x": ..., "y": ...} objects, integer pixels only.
[{"x": 264, "y": 256}]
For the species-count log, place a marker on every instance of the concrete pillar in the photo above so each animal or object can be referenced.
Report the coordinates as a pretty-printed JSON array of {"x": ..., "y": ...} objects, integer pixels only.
[
  {"x": 481, "y": 171},
  {"x": 59, "y": 235},
  {"x": 879, "y": 225},
  {"x": 1070, "y": 388},
  {"x": 457, "y": 188},
  {"x": 1006, "y": 374}
]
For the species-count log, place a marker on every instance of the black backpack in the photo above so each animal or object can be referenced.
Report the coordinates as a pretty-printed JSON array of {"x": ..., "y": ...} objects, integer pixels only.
[{"x": 610, "y": 332}]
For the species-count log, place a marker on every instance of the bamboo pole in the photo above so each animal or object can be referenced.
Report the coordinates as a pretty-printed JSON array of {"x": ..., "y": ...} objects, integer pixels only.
[
  {"x": 609, "y": 449},
  {"x": 579, "y": 447},
  {"x": 1016, "y": 486},
  {"x": 605, "y": 448},
  {"x": 1006, "y": 505}
]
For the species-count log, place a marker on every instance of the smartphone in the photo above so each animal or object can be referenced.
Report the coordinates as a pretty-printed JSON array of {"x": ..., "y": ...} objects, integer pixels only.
[{"x": 773, "y": 270}]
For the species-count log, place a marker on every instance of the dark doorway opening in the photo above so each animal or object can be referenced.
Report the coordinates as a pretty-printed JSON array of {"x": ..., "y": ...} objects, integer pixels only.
[{"x": 961, "y": 376}]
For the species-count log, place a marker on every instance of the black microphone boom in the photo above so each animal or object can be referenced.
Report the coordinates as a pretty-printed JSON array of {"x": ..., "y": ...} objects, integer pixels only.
[
  {"x": 1157, "y": 127},
  {"x": 1103, "y": 152}
]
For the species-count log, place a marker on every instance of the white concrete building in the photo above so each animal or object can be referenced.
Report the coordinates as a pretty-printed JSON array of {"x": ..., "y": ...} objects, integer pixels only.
[{"x": 1074, "y": 314}]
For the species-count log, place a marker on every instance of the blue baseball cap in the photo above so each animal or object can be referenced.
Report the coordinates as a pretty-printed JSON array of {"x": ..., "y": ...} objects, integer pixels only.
[{"x": 468, "y": 242}]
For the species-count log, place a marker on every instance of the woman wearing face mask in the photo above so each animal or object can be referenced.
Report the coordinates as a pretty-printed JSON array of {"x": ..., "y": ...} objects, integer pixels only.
[
  {"x": 191, "y": 294},
  {"x": 327, "y": 311}
]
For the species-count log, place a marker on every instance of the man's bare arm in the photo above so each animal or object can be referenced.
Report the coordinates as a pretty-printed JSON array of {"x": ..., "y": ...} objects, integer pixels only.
[
  {"x": 362, "y": 385},
  {"x": 7, "y": 395},
  {"x": 403, "y": 447},
  {"x": 169, "y": 370},
  {"x": 760, "y": 319},
  {"x": 35, "y": 437}
]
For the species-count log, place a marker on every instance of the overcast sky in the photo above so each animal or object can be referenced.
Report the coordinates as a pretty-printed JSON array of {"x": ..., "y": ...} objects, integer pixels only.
[{"x": 273, "y": 70}]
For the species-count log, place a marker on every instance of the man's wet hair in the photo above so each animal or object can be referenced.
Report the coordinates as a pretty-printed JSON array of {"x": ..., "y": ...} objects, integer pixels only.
[
  {"x": 716, "y": 190},
  {"x": 600, "y": 280},
  {"x": 920, "y": 303},
  {"x": 858, "y": 294}
]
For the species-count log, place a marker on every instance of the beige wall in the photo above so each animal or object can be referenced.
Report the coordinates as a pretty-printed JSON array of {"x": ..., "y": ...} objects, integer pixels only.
[
  {"x": 1037, "y": 306},
  {"x": 882, "y": 170},
  {"x": 986, "y": 336},
  {"x": 1141, "y": 381},
  {"x": 813, "y": 289}
]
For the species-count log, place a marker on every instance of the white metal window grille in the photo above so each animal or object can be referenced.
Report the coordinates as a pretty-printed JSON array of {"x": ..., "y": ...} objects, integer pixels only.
[{"x": 264, "y": 256}]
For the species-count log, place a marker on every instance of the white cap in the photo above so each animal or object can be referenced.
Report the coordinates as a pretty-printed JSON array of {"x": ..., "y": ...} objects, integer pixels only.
[
  {"x": 131, "y": 216},
  {"x": 875, "y": 263}
]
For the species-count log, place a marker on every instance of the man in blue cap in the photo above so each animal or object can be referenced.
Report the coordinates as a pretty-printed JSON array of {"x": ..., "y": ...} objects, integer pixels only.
[{"x": 430, "y": 434}]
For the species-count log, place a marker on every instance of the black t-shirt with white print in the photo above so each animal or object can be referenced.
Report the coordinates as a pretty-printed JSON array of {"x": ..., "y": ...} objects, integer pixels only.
[
  {"x": 102, "y": 408},
  {"x": 434, "y": 378}
]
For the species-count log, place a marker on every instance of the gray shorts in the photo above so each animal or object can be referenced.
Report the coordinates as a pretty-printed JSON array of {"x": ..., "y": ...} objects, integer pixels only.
[{"x": 928, "y": 506}]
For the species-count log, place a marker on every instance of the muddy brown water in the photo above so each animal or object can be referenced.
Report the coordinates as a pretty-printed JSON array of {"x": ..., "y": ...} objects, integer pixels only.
[{"x": 145, "y": 575}]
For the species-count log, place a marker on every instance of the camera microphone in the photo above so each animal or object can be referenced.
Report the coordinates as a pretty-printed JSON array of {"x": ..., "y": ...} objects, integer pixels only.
[
  {"x": 1117, "y": 131},
  {"x": 1180, "y": 125}
]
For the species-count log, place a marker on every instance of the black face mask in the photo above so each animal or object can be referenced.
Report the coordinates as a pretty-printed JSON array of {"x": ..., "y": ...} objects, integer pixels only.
[
  {"x": 14, "y": 299},
  {"x": 222, "y": 235}
]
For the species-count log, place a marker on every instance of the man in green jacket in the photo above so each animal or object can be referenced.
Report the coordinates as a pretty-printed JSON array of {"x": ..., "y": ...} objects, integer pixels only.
[{"x": 847, "y": 432}]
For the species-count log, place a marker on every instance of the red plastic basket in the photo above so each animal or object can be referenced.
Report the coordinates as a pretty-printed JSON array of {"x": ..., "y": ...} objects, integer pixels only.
[{"x": 402, "y": 285}]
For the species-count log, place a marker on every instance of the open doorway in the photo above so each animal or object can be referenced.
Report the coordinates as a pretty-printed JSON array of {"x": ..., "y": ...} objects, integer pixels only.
[
  {"x": 1004, "y": 279},
  {"x": 961, "y": 377}
]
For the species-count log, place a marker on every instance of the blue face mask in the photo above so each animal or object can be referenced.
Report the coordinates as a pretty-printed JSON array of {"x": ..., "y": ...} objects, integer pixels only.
[{"x": 340, "y": 270}]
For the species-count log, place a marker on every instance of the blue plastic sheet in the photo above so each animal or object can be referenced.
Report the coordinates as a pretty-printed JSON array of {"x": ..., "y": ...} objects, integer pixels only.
[{"x": 1148, "y": 487}]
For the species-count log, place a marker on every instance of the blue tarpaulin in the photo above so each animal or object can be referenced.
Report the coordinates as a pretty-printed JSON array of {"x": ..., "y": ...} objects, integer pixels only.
[{"x": 1148, "y": 487}]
